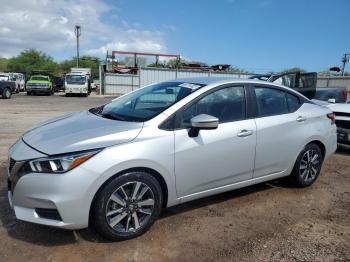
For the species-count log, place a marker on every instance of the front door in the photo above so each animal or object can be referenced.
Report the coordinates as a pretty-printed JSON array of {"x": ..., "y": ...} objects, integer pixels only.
[{"x": 219, "y": 157}]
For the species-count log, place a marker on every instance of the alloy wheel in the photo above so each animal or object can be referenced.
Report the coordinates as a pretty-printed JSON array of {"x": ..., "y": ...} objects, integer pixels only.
[
  {"x": 130, "y": 207},
  {"x": 309, "y": 165}
]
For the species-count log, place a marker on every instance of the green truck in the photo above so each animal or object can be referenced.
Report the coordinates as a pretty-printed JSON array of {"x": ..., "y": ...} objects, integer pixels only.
[{"x": 40, "y": 82}]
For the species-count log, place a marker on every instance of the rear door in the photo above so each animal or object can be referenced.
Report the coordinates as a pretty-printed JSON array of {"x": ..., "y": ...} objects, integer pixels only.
[{"x": 279, "y": 129}]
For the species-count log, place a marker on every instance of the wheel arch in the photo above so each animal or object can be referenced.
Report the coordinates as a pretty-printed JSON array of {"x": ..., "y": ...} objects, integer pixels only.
[
  {"x": 321, "y": 145},
  {"x": 148, "y": 170}
]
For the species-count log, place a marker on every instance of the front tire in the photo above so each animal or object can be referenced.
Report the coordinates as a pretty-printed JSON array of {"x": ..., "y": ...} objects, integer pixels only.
[
  {"x": 6, "y": 93},
  {"x": 308, "y": 166},
  {"x": 127, "y": 206}
]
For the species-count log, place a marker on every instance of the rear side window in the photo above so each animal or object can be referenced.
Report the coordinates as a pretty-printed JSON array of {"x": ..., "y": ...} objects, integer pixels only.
[
  {"x": 271, "y": 101},
  {"x": 293, "y": 102}
]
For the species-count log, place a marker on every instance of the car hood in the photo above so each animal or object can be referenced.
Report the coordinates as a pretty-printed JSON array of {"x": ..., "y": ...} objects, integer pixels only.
[
  {"x": 80, "y": 131},
  {"x": 37, "y": 82}
]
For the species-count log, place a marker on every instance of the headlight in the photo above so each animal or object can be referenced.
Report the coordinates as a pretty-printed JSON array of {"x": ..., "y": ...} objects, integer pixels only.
[{"x": 59, "y": 164}]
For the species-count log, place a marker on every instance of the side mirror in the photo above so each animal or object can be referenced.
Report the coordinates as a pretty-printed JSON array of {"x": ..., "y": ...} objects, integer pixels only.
[
  {"x": 202, "y": 121},
  {"x": 331, "y": 100}
]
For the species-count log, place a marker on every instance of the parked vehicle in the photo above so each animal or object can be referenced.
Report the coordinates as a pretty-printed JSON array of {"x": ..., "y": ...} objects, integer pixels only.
[
  {"x": 58, "y": 83},
  {"x": 19, "y": 78},
  {"x": 331, "y": 94},
  {"x": 342, "y": 120},
  {"x": 7, "y": 87},
  {"x": 78, "y": 81},
  {"x": 40, "y": 82},
  {"x": 304, "y": 83},
  {"x": 117, "y": 165}
]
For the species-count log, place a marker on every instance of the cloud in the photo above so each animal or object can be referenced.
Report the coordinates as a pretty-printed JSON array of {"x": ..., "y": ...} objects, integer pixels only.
[{"x": 48, "y": 25}]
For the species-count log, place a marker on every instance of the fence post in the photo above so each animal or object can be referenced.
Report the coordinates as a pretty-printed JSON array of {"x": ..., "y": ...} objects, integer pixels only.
[{"x": 140, "y": 69}]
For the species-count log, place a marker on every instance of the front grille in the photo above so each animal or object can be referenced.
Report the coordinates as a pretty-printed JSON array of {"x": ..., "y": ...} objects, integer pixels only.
[
  {"x": 11, "y": 164},
  {"x": 341, "y": 114},
  {"x": 48, "y": 213},
  {"x": 342, "y": 123}
]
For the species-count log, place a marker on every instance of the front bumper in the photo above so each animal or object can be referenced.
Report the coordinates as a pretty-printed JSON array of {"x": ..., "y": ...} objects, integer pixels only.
[
  {"x": 38, "y": 90},
  {"x": 69, "y": 195},
  {"x": 76, "y": 91}
]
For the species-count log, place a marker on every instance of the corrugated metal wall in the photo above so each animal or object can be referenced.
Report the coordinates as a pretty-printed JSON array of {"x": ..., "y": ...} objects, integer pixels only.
[
  {"x": 334, "y": 81},
  {"x": 121, "y": 84}
]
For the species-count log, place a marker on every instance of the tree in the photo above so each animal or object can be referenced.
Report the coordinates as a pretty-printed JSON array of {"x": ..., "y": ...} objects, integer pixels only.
[
  {"x": 32, "y": 59},
  {"x": 234, "y": 69},
  {"x": 293, "y": 70},
  {"x": 84, "y": 61},
  {"x": 3, "y": 64}
]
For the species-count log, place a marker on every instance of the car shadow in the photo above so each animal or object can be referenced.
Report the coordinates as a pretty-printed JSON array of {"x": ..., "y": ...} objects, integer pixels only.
[
  {"x": 92, "y": 236},
  {"x": 343, "y": 151},
  {"x": 48, "y": 236},
  {"x": 223, "y": 197}
]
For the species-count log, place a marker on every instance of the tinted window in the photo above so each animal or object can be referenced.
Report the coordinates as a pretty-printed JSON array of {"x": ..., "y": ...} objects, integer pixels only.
[
  {"x": 293, "y": 102},
  {"x": 270, "y": 101},
  {"x": 227, "y": 104}
]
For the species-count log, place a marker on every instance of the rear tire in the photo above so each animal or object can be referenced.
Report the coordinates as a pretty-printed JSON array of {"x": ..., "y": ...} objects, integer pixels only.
[
  {"x": 6, "y": 93},
  {"x": 308, "y": 166},
  {"x": 127, "y": 206}
]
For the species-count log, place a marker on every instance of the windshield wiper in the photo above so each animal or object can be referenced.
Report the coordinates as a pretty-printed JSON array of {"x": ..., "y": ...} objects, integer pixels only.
[
  {"x": 96, "y": 110},
  {"x": 113, "y": 117}
]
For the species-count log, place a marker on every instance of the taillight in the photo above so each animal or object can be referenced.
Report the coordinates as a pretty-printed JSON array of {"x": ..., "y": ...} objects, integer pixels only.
[
  {"x": 345, "y": 94},
  {"x": 331, "y": 116}
]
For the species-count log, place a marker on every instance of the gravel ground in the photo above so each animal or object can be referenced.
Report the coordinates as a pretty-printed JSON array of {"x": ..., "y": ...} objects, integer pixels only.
[{"x": 266, "y": 222}]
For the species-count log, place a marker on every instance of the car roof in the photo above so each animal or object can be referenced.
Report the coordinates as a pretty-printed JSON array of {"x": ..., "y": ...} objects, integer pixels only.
[
  {"x": 206, "y": 80},
  {"x": 224, "y": 80},
  {"x": 219, "y": 80}
]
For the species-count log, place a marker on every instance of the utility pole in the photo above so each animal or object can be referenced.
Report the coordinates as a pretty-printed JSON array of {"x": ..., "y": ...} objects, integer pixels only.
[
  {"x": 346, "y": 59},
  {"x": 77, "y": 34}
]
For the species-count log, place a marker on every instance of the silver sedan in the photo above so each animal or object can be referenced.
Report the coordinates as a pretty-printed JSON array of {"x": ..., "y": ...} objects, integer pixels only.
[{"x": 117, "y": 166}]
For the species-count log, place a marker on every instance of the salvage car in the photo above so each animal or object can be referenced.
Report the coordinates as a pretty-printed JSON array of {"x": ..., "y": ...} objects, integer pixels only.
[
  {"x": 116, "y": 166},
  {"x": 342, "y": 114},
  {"x": 331, "y": 94},
  {"x": 7, "y": 87}
]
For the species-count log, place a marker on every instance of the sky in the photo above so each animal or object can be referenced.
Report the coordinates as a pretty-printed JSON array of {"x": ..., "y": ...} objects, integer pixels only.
[{"x": 260, "y": 36}]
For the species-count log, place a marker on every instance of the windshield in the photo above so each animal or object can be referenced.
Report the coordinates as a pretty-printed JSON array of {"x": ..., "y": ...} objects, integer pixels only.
[
  {"x": 146, "y": 102},
  {"x": 75, "y": 79},
  {"x": 39, "y": 78}
]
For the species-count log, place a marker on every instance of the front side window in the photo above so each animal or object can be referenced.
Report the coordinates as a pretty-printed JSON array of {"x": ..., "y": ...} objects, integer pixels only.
[
  {"x": 146, "y": 102},
  {"x": 226, "y": 104},
  {"x": 270, "y": 101}
]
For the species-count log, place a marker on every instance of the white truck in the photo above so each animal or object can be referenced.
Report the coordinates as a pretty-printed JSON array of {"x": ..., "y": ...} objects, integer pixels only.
[
  {"x": 19, "y": 79},
  {"x": 78, "y": 81}
]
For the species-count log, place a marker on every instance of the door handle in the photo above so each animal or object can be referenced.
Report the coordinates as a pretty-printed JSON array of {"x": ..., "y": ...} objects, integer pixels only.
[
  {"x": 301, "y": 119},
  {"x": 245, "y": 133}
]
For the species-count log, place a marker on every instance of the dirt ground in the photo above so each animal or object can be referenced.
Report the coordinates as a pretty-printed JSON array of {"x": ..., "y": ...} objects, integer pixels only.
[{"x": 267, "y": 222}]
